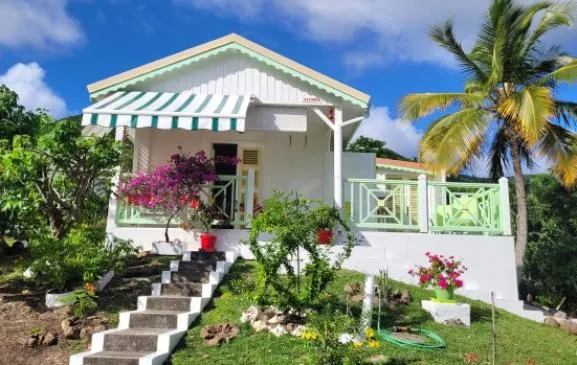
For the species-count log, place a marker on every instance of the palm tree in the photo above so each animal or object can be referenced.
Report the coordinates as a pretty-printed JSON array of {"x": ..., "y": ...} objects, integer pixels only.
[{"x": 508, "y": 111}]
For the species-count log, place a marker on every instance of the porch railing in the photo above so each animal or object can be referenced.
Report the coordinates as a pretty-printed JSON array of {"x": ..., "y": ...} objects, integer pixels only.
[
  {"x": 232, "y": 195},
  {"x": 429, "y": 206}
]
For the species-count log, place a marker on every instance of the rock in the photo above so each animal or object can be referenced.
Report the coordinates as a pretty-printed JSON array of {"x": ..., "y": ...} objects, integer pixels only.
[
  {"x": 66, "y": 326},
  {"x": 405, "y": 297},
  {"x": 31, "y": 341},
  {"x": 551, "y": 321},
  {"x": 251, "y": 314},
  {"x": 259, "y": 326},
  {"x": 278, "y": 331},
  {"x": 99, "y": 328},
  {"x": 277, "y": 319},
  {"x": 85, "y": 332},
  {"x": 560, "y": 314},
  {"x": 49, "y": 339},
  {"x": 218, "y": 334},
  {"x": 454, "y": 322},
  {"x": 297, "y": 330}
]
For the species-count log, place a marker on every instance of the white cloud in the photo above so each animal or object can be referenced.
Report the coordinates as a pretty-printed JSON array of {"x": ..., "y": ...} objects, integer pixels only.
[
  {"x": 38, "y": 24},
  {"x": 400, "y": 136},
  {"x": 395, "y": 30},
  {"x": 27, "y": 80}
]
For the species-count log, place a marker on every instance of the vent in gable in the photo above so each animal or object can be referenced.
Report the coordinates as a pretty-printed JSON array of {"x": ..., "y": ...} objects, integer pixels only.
[{"x": 250, "y": 157}]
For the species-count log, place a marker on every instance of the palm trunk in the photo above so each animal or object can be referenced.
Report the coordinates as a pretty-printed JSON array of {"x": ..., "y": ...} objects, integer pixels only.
[{"x": 521, "y": 197}]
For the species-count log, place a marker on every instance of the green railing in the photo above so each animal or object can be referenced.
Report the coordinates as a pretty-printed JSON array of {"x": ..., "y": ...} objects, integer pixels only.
[
  {"x": 429, "y": 206},
  {"x": 229, "y": 194}
]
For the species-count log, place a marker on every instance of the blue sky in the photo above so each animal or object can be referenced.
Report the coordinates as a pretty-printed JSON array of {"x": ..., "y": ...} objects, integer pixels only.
[{"x": 51, "y": 49}]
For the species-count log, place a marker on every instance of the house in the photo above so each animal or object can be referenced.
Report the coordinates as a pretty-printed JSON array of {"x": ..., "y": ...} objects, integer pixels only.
[{"x": 288, "y": 124}]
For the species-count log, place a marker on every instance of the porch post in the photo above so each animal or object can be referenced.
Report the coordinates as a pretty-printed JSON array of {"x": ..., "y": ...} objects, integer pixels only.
[
  {"x": 423, "y": 210},
  {"x": 112, "y": 202},
  {"x": 505, "y": 206},
  {"x": 338, "y": 158},
  {"x": 249, "y": 202}
]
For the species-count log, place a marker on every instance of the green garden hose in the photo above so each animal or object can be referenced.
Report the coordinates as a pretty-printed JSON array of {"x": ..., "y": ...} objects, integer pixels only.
[{"x": 435, "y": 343}]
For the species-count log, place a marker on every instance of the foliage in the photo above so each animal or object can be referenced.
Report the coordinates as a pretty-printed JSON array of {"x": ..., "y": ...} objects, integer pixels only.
[
  {"x": 81, "y": 257},
  {"x": 508, "y": 111},
  {"x": 287, "y": 223},
  {"x": 83, "y": 302},
  {"x": 370, "y": 145},
  {"x": 442, "y": 272},
  {"x": 551, "y": 261},
  {"x": 518, "y": 339},
  {"x": 173, "y": 186},
  {"x": 202, "y": 216},
  {"x": 325, "y": 217},
  {"x": 59, "y": 177}
]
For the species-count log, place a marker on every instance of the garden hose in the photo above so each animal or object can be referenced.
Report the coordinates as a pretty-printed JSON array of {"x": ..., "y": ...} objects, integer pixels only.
[{"x": 436, "y": 342}]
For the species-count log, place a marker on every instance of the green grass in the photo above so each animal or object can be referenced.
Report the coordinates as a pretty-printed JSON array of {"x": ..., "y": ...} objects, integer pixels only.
[{"x": 519, "y": 341}]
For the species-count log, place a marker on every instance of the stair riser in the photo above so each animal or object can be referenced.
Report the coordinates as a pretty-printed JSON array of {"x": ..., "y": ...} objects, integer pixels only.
[
  {"x": 184, "y": 290},
  {"x": 168, "y": 304},
  {"x": 197, "y": 267},
  {"x": 145, "y": 320},
  {"x": 192, "y": 277},
  {"x": 129, "y": 343},
  {"x": 194, "y": 256},
  {"x": 109, "y": 361}
]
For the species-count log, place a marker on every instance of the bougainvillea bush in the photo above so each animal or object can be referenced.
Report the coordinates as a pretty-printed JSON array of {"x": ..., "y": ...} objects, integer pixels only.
[
  {"x": 172, "y": 187},
  {"x": 442, "y": 272}
]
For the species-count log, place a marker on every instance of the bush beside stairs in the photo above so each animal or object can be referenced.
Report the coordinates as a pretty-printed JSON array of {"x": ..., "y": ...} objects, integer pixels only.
[{"x": 147, "y": 335}]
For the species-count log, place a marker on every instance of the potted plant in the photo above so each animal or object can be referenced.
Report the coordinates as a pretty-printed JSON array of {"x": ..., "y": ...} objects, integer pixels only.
[
  {"x": 442, "y": 273},
  {"x": 325, "y": 218},
  {"x": 202, "y": 217}
]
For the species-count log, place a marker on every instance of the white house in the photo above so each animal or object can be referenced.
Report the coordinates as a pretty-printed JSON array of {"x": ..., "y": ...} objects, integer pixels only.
[{"x": 288, "y": 125}]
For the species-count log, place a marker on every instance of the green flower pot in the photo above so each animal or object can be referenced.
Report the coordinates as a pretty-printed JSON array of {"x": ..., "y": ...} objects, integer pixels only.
[{"x": 444, "y": 294}]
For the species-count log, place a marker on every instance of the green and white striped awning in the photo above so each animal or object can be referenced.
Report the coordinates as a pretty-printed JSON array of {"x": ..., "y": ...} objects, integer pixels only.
[{"x": 143, "y": 109}]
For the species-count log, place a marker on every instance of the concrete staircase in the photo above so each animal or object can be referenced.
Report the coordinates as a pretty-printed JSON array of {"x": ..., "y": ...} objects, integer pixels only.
[{"x": 148, "y": 335}]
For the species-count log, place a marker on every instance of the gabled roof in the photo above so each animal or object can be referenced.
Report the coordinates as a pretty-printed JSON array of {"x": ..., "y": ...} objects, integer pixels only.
[
  {"x": 236, "y": 42},
  {"x": 404, "y": 165}
]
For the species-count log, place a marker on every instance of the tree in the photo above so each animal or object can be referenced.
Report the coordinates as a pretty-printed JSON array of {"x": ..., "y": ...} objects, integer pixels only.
[
  {"x": 171, "y": 187},
  {"x": 508, "y": 111},
  {"x": 370, "y": 145},
  {"x": 59, "y": 176}
]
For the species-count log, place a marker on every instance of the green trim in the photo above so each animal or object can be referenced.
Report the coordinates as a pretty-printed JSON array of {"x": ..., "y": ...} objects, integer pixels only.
[
  {"x": 136, "y": 97},
  {"x": 119, "y": 96},
  {"x": 204, "y": 104},
  {"x": 113, "y": 119},
  {"x": 236, "y": 47},
  {"x": 233, "y": 124},
  {"x": 168, "y": 102},
  {"x": 154, "y": 123},
  {"x": 194, "y": 123},
  {"x": 237, "y": 105},
  {"x": 134, "y": 121},
  {"x": 408, "y": 169},
  {"x": 222, "y": 104},
  {"x": 186, "y": 103},
  {"x": 174, "y": 122},
  {"x": 152, "y": 100},
  {"x": 94, "y": 119},
  {"x": 214, "y": 124}
]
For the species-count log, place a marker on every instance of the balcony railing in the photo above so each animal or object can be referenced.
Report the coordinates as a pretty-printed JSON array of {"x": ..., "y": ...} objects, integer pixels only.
[
  {"x": 232, "y": 195},
  {"x": 429, "y": 206}
]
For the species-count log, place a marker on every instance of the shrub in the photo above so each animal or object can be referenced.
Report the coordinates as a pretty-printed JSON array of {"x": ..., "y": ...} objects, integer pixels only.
[
  {"x": 83, "y": 302},
  {"x": 81, "y": 257},
  {"x": 288, "y": 224}
]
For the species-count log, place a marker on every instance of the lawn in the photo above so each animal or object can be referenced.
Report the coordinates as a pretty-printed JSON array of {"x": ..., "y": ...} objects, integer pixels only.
[{"x": 519, "y": 341}]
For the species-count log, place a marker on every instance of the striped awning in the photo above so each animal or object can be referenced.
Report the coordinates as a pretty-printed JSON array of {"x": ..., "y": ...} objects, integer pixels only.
[{"x": 142, "y": 109}]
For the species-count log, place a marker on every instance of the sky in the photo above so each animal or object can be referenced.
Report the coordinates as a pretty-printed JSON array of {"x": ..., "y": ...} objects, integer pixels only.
[{"x": 51, "y": 49}]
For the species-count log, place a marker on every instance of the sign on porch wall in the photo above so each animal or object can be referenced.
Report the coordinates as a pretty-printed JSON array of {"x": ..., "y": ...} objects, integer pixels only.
[{"x": 277, "y": 118}]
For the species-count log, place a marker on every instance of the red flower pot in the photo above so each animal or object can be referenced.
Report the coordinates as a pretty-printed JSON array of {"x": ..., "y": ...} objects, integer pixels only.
[
  {"x": 325, "y": 236},
  {"x": 207, "y": 242}
]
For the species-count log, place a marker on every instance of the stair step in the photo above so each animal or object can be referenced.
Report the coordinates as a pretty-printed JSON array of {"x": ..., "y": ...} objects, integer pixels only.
[
  {"x": 182, "y": 289},
  {"x": 154, "y": 319},
  {"x": 200, "y": 255},
  {"x": 133, "y": 340},
  {"x": 196, "y": 266},
  {"x": 190, "y": 277},
  {"x": 168, "y": 303},
  {"x": 114, "y": 358}
]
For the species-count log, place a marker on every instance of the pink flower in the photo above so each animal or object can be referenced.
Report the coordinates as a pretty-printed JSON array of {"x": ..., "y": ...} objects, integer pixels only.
[
  {"x": 442, "y": 282},
  {"x": 458, "y": 283}
]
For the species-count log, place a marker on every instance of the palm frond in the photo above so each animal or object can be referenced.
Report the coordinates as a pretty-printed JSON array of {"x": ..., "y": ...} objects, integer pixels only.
[
  {"x": 454, "y": 140},
  {"x": 414, "y": 106},
  {"x": 559, "y": 145},
  {"x": 566, "y": 112},
  {"x": 498, "y": 155},
  {"x": 566, "y": 73},
  {"x": 445, "y": 37},
  {"x": 557, "y": 15},
  {"x": 530, "y": 109}
]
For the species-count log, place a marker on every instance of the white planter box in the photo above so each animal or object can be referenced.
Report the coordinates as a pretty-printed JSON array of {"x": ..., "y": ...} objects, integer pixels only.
[
  {"x": 446, "y": 313},
  {"x": 54, "y": 300}
]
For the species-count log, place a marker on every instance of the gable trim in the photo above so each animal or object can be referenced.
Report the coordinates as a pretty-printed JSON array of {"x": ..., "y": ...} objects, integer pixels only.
[{"x": 227, "y": 43}]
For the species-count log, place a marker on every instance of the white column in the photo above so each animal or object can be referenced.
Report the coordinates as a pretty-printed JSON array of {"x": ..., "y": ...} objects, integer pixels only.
[
  {"x": 111, "y": 218},
  {"x": 338, "y": 158},
  {"x": 423, "y": 210},
  {"x": 367, "y": 312},
  {"x": 505, "y": 206},
  {"x": 249, "y": 199}
]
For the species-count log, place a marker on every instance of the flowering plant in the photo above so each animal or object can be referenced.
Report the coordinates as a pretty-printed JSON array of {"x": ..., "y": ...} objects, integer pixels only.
[
  {"x": 173, "y": 186},
  {"x": 442, "y": 272}
]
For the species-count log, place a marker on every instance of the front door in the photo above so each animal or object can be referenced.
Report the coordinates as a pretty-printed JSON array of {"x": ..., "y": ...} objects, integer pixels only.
[{"x": 224, "y": 191}]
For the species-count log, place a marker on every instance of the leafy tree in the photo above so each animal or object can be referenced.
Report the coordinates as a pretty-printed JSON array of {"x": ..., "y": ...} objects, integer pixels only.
[
  {"x": 551, "y": 261},
  {"x": 370, "y": 145},
  {"x": 508, "y": 110},
  {"x": 58, "y": 176}
]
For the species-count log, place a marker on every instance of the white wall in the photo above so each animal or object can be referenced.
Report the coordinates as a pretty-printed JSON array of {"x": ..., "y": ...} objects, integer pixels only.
[{"x": 355, "y": 165}]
